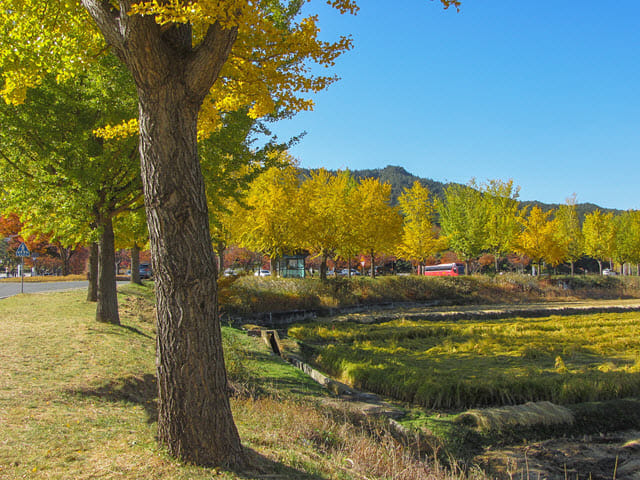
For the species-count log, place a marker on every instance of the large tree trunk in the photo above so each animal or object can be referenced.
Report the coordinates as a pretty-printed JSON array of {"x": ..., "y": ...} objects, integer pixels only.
[
  {"x": 194, "y": 415},
  {"x": 173, "y": 78},
  {"x": 92, "y": 274},
  {"x": 107, "y": 308},
  {"x": 135, "y": 264}
]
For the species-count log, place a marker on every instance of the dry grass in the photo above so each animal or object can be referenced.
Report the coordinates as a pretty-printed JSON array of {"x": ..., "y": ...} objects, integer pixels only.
[
  {"x": 247, "y": 295},
  {"x": 78, "y": 400},
  {"x": 527, "y": 415},
  {"x": 463, "y": 364}
]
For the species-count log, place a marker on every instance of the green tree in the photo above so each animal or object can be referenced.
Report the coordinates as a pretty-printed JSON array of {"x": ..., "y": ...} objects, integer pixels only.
[
  {"x": 569, "y": 231},
  {"x": 599, "y": 236},
  {"x": 420, "y": 235},
  {"x": 502, "y": 227},
  {"x": 131, "y": 233},
  {"x": 627, "y": 238},
  {"x": 230, "y": 162},
  {"x": 463, "y": 216},
  {"x": 66, "y": 182}
]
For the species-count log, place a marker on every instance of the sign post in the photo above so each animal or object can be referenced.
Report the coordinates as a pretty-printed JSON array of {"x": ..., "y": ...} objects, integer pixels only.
[{"x": 22, "y": 252}]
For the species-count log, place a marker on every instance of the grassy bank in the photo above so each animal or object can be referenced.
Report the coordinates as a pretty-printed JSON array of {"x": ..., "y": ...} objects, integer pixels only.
[
  {"x": 78, "y": 400},
  {"x": 247, "y": 295}
]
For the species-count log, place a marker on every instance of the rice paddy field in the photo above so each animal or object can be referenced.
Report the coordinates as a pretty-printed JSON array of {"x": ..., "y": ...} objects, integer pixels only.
[{"x": 461, "y": 364}]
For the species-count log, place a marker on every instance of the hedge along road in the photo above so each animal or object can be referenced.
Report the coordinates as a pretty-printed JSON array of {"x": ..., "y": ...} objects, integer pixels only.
[{"x": 8, "y": 289}]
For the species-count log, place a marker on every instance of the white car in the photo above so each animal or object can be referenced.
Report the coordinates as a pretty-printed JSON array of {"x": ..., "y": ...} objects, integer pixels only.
[
  {"x": 608, "y": 271},
  {"x": 345, "y": 271},
  {"x": 262, "y": 273}
]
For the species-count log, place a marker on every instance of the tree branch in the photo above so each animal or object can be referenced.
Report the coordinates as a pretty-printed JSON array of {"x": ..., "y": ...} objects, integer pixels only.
[
  {"x": 209, "y": 57},
  {"x": 109, "y": 21}
]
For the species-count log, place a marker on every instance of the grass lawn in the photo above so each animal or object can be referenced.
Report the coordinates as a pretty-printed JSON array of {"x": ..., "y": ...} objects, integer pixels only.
[
  {"x": 466, "y": 364},
  {"x": 78, "y": 400}
]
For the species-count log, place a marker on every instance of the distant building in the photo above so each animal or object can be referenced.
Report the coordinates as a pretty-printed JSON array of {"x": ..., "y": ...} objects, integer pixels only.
[{"x": 291, "y": 266}]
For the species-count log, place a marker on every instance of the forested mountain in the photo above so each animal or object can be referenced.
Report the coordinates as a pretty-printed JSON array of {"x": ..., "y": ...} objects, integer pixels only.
[{"x": 400, "y": 179}]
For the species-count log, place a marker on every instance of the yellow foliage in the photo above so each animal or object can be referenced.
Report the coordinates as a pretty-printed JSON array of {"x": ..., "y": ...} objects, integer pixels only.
[
  {"x": 269, "y": 66},
  {"x": 124, "y": 130}
]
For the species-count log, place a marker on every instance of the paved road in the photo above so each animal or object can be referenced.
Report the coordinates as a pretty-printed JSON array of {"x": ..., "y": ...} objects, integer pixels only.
[{"x": 8, "y": 289}]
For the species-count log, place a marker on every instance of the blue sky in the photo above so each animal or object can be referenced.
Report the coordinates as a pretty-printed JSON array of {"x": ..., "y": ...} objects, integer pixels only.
[{"x": 544, "y": 92}]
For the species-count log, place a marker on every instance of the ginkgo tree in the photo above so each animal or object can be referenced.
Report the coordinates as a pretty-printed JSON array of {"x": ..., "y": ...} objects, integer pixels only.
[
  {"x": 189, "y": 61},
  {"x": 599, "y": 233},
  {"x": 64, "y": 181},
  {"x": 627, "y": 239},
  {"x": 325, "y": 216},
  {"x": 502, "y": 224},
  {"x": 376, "y": 222},
  {"x": 230, "y": 162},
  {"x": 538, "y": 240},
  {"x": 569, "y": 232},
  {"x": 268, "y": 222},
  {"x": 463, "y": 218},
  {"x": 420, "y": 235}
]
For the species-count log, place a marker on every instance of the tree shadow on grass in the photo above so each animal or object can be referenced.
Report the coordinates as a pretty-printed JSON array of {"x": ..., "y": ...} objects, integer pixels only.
[
  {"x": 136, "y": 331},
  {"x": 143, "y": 391},
  {"x": 257, "y": 466}
]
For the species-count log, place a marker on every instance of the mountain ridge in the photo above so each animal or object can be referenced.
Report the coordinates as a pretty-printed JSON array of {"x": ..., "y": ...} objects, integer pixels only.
[{"x": 400, "y": 178}]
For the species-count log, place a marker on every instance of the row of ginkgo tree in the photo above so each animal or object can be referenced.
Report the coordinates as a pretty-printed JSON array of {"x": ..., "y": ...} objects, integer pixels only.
[{"x": 333, "y": 215}]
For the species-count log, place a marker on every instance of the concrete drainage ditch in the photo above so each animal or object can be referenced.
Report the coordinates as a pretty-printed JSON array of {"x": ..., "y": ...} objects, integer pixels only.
[{"x": 366, "y": 403}]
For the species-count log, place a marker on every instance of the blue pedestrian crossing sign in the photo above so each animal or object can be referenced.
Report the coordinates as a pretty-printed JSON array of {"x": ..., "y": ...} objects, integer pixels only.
[{"x": 23, "y": 251}]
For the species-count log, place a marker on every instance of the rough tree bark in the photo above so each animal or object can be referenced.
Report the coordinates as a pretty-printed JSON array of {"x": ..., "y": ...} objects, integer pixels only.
[
  {"x": 194, "y": 413},
  {"x": 135, "y": 264},
  {"x": 107, "y": 308},
  {"x": 173, "y": 78},
  {"x": 92, "y": 274}
]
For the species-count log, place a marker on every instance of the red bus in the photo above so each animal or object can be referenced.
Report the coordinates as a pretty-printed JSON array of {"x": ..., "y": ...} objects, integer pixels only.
[{"x": 444, "y": 270}]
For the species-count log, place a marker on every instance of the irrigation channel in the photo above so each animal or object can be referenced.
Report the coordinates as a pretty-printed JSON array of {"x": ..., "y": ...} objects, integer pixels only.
[{"x": 603, "y": 455}]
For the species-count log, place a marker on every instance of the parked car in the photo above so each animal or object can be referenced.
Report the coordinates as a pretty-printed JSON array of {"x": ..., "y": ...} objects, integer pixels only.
[
  {"x": 145, "y": 270},
  {"x": 608, "y": 271},
  {"x": 262, "y": 273},
  {"x": 345, "y": 272}
]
